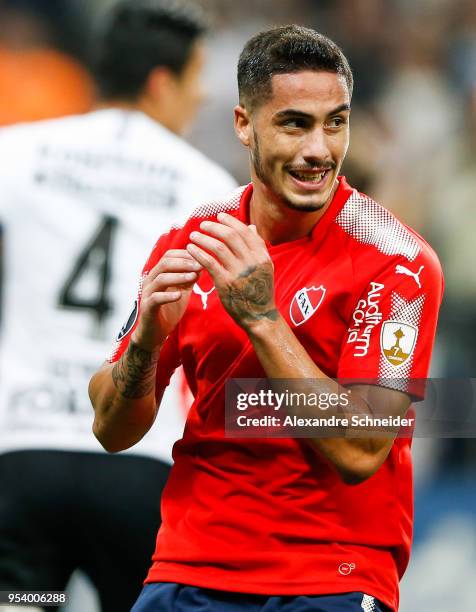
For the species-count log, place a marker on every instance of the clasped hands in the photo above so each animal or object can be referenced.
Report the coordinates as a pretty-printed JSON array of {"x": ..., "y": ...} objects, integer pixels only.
[
  {"x": 238, "y": 261},
  {"x": 239, "y": 264}
]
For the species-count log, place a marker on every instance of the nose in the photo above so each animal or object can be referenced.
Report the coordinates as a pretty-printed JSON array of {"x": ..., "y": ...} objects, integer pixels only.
[{"x": 316, "y": 147}]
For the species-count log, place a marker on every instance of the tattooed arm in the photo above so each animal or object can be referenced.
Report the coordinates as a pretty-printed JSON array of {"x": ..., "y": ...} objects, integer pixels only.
[
  {"x": 124, "y": 394},
  {"x": 238, "y": 261},
  {"x": 134, "y": 374},
  {"x": 251, "y": 297}
]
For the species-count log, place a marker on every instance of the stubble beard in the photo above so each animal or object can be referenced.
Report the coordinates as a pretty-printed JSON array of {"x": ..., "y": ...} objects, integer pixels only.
[{"x": 263, "y": 176}]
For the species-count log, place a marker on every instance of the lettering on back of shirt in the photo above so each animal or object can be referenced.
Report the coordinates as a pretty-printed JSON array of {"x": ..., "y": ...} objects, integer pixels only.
[
  {"x": 128, "y": 180},
  {"x": 364, "y": 318}
]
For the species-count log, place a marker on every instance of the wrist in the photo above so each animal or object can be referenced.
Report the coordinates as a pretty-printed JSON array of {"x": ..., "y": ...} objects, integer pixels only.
[
  {"x": 265, "y": 326},
  {"x": 145, "y": 344}
]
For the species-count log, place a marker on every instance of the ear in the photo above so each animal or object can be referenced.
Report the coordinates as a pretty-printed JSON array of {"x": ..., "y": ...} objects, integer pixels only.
[{"x": 242, "y": 124}]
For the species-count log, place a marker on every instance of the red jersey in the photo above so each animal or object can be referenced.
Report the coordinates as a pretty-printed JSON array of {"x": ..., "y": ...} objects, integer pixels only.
[{"x": 271, "y": 516}]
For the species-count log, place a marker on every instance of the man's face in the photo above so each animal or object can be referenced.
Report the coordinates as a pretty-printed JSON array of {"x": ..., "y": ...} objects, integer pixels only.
[
  {"x": 299, "y": 137},
  {"x": 188, "y": 90}
]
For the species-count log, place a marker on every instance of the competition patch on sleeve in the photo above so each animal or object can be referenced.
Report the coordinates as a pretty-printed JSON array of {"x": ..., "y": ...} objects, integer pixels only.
[
  {"x": 399, "y": 335},
  {"x": 397, "y": 341},
  {"x": 129, "y": 324}
]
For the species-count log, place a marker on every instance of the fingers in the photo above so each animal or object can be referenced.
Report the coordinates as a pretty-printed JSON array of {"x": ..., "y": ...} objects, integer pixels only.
[
  {"x": 206, "y": 260},
  {"x": 181, "y": 253},
  {"x": 229, "y": 243},
  {"x": 165, "y": 288},
  {"x": 231, "y": 221},
  {"x": 175, "y": 260},
  {"x": 165, "y": 280},
  {"x": 228, "y": 240},
  {"x": 176, "y": 270},
  {"x": 165, "y": 293},
  {"x": 248, "y": 233},
  {"x": 165, "y": 297},
  {"x": 215, "y": 246},
  {"x": 225, "y": 234}
]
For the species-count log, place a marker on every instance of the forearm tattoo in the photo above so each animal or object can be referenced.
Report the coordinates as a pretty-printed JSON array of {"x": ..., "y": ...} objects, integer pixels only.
[
  {"x": 251, "y": 296},
  {"x": 134, "y": 374}
]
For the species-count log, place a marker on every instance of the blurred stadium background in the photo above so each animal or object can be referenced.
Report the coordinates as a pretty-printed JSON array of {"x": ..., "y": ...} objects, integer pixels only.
[{"x": 413, "y": 148}]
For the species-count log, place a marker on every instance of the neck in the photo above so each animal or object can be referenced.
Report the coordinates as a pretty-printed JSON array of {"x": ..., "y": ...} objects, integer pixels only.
[
  {"x": 117, "y": 103},
  {"x": 276, "y": 222}
]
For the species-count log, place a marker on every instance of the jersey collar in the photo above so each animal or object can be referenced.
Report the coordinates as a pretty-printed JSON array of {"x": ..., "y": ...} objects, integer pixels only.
[{"x": 341, "y": 196}]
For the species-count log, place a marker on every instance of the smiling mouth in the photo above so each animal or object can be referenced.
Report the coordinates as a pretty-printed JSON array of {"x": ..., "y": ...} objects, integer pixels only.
[
  {"x": 309, "y": 176},
  {"x": 313, "y": 178}
]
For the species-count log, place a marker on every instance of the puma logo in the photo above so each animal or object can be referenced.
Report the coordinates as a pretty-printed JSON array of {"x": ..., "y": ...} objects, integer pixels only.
[
  {"x": 416, "y": 275},
  {"x": 203, "y": 294}
]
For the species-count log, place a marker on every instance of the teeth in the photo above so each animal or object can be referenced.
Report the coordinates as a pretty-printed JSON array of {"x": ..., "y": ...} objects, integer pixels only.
[{"x": 309, "y": 177}]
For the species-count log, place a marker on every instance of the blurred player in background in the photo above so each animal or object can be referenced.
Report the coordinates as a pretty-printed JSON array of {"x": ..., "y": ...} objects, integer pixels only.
[
  {"x": 305, "y": 278},
  {"x": 82, "y": 198}
]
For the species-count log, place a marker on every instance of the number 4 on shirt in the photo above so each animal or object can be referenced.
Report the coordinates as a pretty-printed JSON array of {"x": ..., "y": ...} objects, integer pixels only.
[{"x": 86, "y": 287}]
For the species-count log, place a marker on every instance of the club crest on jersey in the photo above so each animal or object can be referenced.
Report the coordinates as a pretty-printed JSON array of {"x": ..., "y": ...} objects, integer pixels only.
[
  {"x": 305, "y": 303},
  {"x": 129, "y": 324},
  {"x": 397, "y": 341}
]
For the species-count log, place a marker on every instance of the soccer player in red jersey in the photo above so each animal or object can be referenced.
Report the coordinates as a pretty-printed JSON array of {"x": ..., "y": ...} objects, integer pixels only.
[{"x": 296, "y": 276}]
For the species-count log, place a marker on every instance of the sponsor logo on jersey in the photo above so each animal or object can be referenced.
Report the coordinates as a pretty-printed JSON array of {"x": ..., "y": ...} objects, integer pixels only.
[
  {"x": 203, "y": 294},
  {"x": 397, "y": 341},
  {"x": 346, "y": 568},
  {"x": 364, "y": 318},
  {"x": 399, "y": 269},
  {"x": 129, "y": 324},
  {"x": 305, "y": 303}
]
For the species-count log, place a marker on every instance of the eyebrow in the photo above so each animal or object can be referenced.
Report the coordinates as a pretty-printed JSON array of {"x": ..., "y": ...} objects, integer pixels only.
[
  {"x": 298, "y": 113},
  {"x": 340, "y": 109}
]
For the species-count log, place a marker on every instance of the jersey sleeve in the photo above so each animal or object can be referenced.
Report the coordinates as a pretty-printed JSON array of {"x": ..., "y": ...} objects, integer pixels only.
[
  {"x": 169, "y": 358},
  {"x": 392, "y": 326}
]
